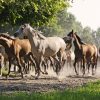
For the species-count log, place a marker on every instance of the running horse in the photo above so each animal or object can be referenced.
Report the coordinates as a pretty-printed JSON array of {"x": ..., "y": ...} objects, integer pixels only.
[
  {"x": 84, "y": 52},
  {"x": 16, "y": 49},
  {"x": 42, "y": 46}
]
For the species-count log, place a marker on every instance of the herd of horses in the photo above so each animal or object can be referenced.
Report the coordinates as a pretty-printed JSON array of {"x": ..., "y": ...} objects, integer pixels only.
[{"x": 39, "y": 52}]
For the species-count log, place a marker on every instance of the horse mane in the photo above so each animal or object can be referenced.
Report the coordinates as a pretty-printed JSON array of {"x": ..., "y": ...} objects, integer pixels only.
[
  {"x": 39, "y": 34},
  {"x": 7, "y": 36},
  {"x": 79, "y": 39}
]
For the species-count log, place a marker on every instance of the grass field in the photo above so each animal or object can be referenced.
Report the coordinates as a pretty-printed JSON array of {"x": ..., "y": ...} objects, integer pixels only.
[{"x": 89, "y": 92}]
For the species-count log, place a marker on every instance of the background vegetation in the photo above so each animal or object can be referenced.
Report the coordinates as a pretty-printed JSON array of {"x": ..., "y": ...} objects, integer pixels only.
[{"x": 49, "y": 16}]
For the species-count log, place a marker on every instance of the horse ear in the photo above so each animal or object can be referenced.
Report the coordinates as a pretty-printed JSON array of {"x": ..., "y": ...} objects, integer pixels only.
[{"x": 72, "y": 31}]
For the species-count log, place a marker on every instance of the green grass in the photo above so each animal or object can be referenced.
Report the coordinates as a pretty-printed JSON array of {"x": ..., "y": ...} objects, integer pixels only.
[{"x": 89, "y": 92}]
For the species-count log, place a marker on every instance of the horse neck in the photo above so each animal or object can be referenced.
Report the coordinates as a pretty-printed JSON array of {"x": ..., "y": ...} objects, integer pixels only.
[
  {"x": 33, "y": 40},
  {"x": 76, "y": 43},
  {"x": 5, "y": 42}
]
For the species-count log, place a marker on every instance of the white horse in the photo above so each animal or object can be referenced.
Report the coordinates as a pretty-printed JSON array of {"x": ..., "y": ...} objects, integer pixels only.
[{"x": 42, "y": 46}]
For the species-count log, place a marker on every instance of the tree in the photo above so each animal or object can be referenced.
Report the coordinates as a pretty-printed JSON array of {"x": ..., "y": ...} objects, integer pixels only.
[
  {"x": 36, "y": 12},
  {"x": 97, "y": 33},
  {"x": 68, "y": 22},
  {"x": 87, "y": 35}
]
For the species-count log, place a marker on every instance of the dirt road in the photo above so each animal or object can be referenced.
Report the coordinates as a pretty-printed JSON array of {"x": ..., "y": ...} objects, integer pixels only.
[{"x": 46, "y": 83}]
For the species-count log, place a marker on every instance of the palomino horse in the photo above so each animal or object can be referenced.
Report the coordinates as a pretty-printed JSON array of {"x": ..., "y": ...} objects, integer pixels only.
[
  {"x": 42, "y": 46},
  {"x": 15, "y": 49},
  {"x": 84, "y": 52}
]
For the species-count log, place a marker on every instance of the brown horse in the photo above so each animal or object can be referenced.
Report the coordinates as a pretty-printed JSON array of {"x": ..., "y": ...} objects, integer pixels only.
[
  {"x": 15, "y": 49},
  {"x": 84, "y": 52}
]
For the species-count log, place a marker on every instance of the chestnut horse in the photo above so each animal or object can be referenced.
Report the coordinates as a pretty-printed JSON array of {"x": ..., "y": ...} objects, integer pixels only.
[
  {"x": 15, "y": 49},
  {"x": 84, "y": 52}
]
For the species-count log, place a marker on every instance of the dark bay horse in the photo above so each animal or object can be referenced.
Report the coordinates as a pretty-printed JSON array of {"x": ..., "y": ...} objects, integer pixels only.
[
  {"x": 15, "y": 49},
  {"x": 84, "y": 53}
]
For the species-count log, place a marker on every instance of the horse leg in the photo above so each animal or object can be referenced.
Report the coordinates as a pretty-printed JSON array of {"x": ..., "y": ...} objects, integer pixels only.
[
  {"x": 94, "y": 64},
  {"x": 96, "y": 60},
  {"x": 60, "y": 60},
  {"x": 57, "y": 65},
  {"x": 27, "y": 59},
  {"x": 9, "y": 67},
  {"x": 34, "y": 62},
  {"x": 83, "y": 66},
  {"x": 25, "y": 66},
  {"x": 15, "y": 67},
  {"x": 28, "y": 67},
  {"x": 75, "y": 67},
  {"x": 43, "y": 63},
  {"x": 45, "y": 66},
  {"x": 19, "y": 65},
  {"x": 92, "y": 69},
  {"x": 88, "y": 65},
  {"x": 38, "y": 70},
  {"x": 59, "y": 56},
  {"x": 51, "y": 61}
]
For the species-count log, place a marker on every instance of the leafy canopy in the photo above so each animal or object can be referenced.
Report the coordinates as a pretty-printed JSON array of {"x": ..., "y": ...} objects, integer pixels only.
[{"x": 35, "y": 12}]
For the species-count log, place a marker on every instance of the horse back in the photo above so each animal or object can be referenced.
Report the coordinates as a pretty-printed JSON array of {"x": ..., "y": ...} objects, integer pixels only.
[
  {"x": 59, "y": 42},
  {"x": 89, "y": 49},
  {"x": 22, "y": 44}
]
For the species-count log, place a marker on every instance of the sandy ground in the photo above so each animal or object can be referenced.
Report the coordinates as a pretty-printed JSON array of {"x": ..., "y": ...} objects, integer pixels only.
[{"x": 51, "y": 82}]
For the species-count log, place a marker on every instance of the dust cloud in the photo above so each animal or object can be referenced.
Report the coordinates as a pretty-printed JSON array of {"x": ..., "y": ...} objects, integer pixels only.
[{"x": 68, "y": 70}]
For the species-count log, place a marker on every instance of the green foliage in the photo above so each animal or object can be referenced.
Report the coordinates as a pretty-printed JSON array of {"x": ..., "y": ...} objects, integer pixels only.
[
  {"x": 64, "y": 23},
  {"x": 87, "y": 35},
  {"x": 68, "y": 22},
  {"x": 98, "y": 32},
  {"x": 36, "y": 12}
]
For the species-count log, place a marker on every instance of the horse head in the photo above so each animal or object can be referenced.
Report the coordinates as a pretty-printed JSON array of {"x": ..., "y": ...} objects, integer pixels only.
[
  {"x": 75, "y": 36},
  {"x": 68, "y": 41},
  {"x": 24, "y": 30},
  {"x": 70, "y": 34}
]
